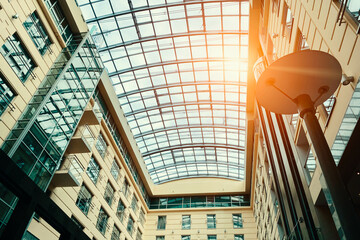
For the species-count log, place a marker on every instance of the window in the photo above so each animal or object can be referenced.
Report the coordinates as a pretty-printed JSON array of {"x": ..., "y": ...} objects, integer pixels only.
[
  {"x": 161, "y": 225},
  {"x": 302, "y": 45},
  {"x": 115, "y": 235},
  {"x": 211, "y": 221},
  {"x": 186, "y": 222},
  {"x": 37, "y": 32},
  {"x": 288, "y": 21},
  {"x": 101, "y": 145},
  {"x": 93, "y": 170},
  {"x": 138, "y": 235},
  {"x": 84, "y": 199},
  {"x": 77, "y": 222},
  {"x": 237, "y": 220},
  {"x": 160, "y": 237},
  {"x": 142, "y": 217},
  {"x": 130, "y": 226},
  {"x": 29, "y": 236},
  {"x": 101, "y": 223},
  {"x": 6, "y": 95},
  {"x": 211, "y": 237},
  {"x": 239, "y": 237},
  {"x": 17, "y": 57},
  {"x": 109, "y": 193},
  {"x": 59, "y": 19},
  {"x": 125, "y": 188},
  {"x": 115, "y": 170},
  {"x": 134, "y": 204},
  {"x": 120, "y": 212},
  {"x": 185, "y": 237}
]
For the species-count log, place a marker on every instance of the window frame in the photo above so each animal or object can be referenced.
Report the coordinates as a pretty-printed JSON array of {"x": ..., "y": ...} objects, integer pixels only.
[
  {"x": 94, "y": 167},
  {"x": 238, "y": 221},
  {"x": 115, "y": 170},
  {"x": 14, "y": 51},
  {"x": 87, "y": 201},
  {"x": 161, "y": 223},
  {"x": 40, "y": 29},
  {"x": 211, "y": 217},
  {"x": 109, "y": 193},
  {"x": 186, "y": 222},
  {"x": 7, "y": 94},
  {"x": 102, "y": 223}
]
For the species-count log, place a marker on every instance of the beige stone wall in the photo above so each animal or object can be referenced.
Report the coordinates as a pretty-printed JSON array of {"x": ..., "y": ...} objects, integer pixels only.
[{"x": 224, "y": 225}]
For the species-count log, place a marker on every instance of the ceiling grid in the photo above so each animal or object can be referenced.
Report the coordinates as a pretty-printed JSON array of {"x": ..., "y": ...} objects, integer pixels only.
[{"x": 179, "y": 70}]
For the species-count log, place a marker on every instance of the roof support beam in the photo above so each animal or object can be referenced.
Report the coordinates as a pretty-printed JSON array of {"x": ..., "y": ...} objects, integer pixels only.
[
  {"x": 188, "y": 127},
  {"x": 152, "y": 38},
  {"x": 193, "y": 145},
  {"x": 185, "y": 104},
  {"x": 180, "y": 84},
  {"x": 145, "y": 8},
  {"x": 161, "y": 64}
]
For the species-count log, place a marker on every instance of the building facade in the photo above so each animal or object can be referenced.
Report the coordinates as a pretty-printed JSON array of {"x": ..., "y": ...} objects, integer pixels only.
[{"x": 99, "y": 110}]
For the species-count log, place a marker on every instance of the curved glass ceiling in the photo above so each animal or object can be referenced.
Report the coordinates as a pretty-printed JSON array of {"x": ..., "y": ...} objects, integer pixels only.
[{"x": 179, "y": 69}]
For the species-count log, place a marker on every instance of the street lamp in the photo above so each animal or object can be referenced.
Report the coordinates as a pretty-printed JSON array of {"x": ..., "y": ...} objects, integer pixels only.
[{"x": 299, "y": 82}]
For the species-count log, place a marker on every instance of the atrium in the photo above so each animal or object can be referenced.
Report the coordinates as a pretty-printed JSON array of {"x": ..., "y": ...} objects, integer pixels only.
[{"x": 141, "y": 119}]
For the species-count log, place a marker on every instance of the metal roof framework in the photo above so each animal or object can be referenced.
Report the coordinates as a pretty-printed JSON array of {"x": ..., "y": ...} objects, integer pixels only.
[{"x": 179, "y": 69}]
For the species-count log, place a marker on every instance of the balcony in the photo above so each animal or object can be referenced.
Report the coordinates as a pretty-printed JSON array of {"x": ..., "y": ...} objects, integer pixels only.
[
  {"x": 69, "y": 174},
  {"x": 92, "y": 115},
  {"x": 82, "y": 141}
]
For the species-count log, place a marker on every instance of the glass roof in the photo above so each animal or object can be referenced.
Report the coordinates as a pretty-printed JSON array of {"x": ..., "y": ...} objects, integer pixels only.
[{"x": 179, "y": 69}]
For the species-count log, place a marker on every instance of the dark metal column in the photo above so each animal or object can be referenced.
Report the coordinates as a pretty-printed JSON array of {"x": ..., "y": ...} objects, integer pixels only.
[
  {"x": 19, "y": 219},
  {"x": 337, "y": 192}
]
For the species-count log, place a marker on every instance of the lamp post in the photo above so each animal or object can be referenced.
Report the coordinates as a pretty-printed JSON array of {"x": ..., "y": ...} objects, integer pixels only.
[{"x": 299, "y": 82}]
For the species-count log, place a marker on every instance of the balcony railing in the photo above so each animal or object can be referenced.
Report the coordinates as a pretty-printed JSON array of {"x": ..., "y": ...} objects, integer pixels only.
[
  {"x": 82, "y": 141},
  {"x": 69, "y": 174}
]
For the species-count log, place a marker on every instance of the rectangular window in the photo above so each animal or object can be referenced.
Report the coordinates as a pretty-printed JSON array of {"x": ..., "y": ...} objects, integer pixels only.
[
  {"x": 239, "y": 237},
  {"x": 115, "y": 170},
  {"x": 93, "y": 170},
  {"x": 125, "y": 188},
  {"x": 6, "y": 95},
  {"x": 120, "y": 211},
  {"x": 211, "y": 221},
  {"x": 160, "y": 237},
  {"x": 142, "y": 217},
  {"x": 185, "y": 237},
  {"x": 130, "y": 226},
  {"x": 186, "y": 222},
  {"x": 59, "y": 19},
  {"x": 115, "y": 235},
  {"x": 138, "y": 235},
  {"x": 161, "y": 225},
  {"x": 37, "y": 32},
  {"x": 17, "y": 57},
  {"x": 237, "y": 220},
  {"x": 77, "y": 222},
  {"x": 109, "y": 193},
  {"x": 211, "y": 237},
  {"x": 289, "y": 20},
  {"x": 29, "y": 236},
  {"x": 84, "y": 199},
  {"x": 101, "y": 223},
  {"x": 134, "y": 204},
  {"x": 101, "y": 145}
]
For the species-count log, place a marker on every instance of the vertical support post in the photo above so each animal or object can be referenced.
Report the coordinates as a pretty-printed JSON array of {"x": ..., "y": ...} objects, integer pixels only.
[
  {"x": 19, "y": 220},
  {"x": 340, "y": 197}
]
